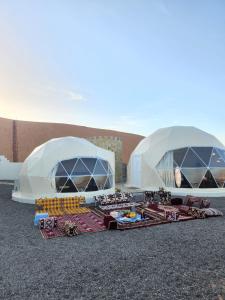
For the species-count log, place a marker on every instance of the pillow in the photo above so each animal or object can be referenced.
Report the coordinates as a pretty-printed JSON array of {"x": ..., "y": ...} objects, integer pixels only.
[
  {"x": 197, "y": 202},
  {"x": 212, "y": 212},
  {"x": 176, "y": 201}
]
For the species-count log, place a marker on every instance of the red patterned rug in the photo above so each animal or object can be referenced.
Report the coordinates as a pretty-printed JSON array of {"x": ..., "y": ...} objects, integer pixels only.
[
  {"x": 87, "y": 222},
  {"x": 160, "y": 210}
]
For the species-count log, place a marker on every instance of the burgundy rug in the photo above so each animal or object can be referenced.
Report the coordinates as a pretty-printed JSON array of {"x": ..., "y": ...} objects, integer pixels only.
[{"x": 87, "y": 222}]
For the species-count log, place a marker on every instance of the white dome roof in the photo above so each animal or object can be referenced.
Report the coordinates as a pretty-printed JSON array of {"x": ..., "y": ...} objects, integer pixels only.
[
  {"x": 44, "y": 157},
  {"x": 170, "y": 138},
  {"x": 35, "y": 179}
]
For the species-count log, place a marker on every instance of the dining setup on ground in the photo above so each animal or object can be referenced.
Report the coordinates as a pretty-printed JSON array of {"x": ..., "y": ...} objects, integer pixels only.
[{"x": 71, "y": 216}]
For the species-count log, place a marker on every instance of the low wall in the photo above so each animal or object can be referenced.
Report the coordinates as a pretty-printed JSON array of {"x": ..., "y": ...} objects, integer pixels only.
[{"x": 9, "y": 170}]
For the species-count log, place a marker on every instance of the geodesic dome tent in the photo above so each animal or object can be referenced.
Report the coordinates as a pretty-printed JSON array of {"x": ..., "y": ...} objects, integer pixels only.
[
  {"x": 65, "y": 167},
  {"x": 179, "y": 157}
]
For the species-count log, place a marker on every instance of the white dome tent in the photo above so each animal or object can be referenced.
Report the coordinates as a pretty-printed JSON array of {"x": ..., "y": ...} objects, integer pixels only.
[
  {"x": 182, "y": 159},
  {"x": 65, "y": 167}
]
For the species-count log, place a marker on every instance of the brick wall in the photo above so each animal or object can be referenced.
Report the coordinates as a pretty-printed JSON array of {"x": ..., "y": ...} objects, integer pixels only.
[
  {"x": 6, "y": 138},
  {"x": 31, "y": 134}
]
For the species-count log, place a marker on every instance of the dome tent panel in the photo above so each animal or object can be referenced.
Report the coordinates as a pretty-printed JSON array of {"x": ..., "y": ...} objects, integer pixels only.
[
  {"x": 69, "y": 165},
  {"x": 90, "y": 163},
  {"x": 81, "y": 182},
  {"x": 219, "y": 175},
  {"x": 208, "y": 181},
  {"x": 216, "y": 160},
  {"x": 194, "y": 175},
  {"x": 100, "y": 181},
  {"x": 204, "y": 153}
]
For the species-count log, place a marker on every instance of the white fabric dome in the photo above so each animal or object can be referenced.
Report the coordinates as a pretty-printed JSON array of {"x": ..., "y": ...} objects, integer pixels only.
[
  {"x": 37, "y": 176},
  {"x": 142, "y": 172}
]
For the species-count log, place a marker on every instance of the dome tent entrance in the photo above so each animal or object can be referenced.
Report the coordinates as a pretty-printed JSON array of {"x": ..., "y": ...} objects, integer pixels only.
[
  {"x": 182, "y": 154},
  {"x": 65, "y": 167}
]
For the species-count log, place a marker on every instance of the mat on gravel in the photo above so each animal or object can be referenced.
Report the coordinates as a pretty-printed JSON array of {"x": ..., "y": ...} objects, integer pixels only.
[{"x": 87, "y": 222}]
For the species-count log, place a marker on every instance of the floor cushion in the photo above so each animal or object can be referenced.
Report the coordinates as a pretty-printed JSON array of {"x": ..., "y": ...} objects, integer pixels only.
[
  {"x": 212, "y": 212},
  {"x": 48, "y": 223}
]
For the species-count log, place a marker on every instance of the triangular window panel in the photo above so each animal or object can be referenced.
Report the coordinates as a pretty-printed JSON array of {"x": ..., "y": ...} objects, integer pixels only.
[
  {"x": 110, "y": 171},
  {"x": 221, "y": 152},
  {"x": 216, "y": 160},
  {"x": 160, "y": 165},
  {"x": 194, "y": 175},
  {"x": 80, "y": 169},
  {"x": 69, "y": 164},
  {"x": 166, "y": 161},
  {"x": 161, "y": 172},
  {"x": 184, "y": 182},
  {"x": 69, "y": 187},
  {"x": 192, "y": 161},
  {"x": 219, "y": 176},
  {"x": 61, "y": 170},
  {"x": 107, "y": 184},
  {"x": 99, "y": 170},
  {"x": 178, "y": 155},
  {"x": 105, "y": 165},
  {"x": 100, "y": 181},
  {"x": 59, "y": 183},
  {"x": 204, "y": 153},
  {"x": 81, "y": 182},
  {"x": 89, "y": 163},
  {"x": 208, "y": 181},
  {"x": 175, "y": 165},
  {"x": 92, "y": 186},
  {"x": 111, "y": 180}
]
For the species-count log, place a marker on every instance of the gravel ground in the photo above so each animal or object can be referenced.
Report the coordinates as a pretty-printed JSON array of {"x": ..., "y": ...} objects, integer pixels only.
[{"x": 175, "y": 261}]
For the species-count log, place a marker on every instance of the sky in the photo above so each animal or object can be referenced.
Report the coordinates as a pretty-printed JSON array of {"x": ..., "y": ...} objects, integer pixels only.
[{"x": 131, "y": 65}]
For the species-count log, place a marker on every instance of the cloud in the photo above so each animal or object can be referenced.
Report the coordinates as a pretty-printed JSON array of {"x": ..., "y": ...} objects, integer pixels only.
[
  {"x": 74, "y": 96},
  {"x": 64, "y": 93}
]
